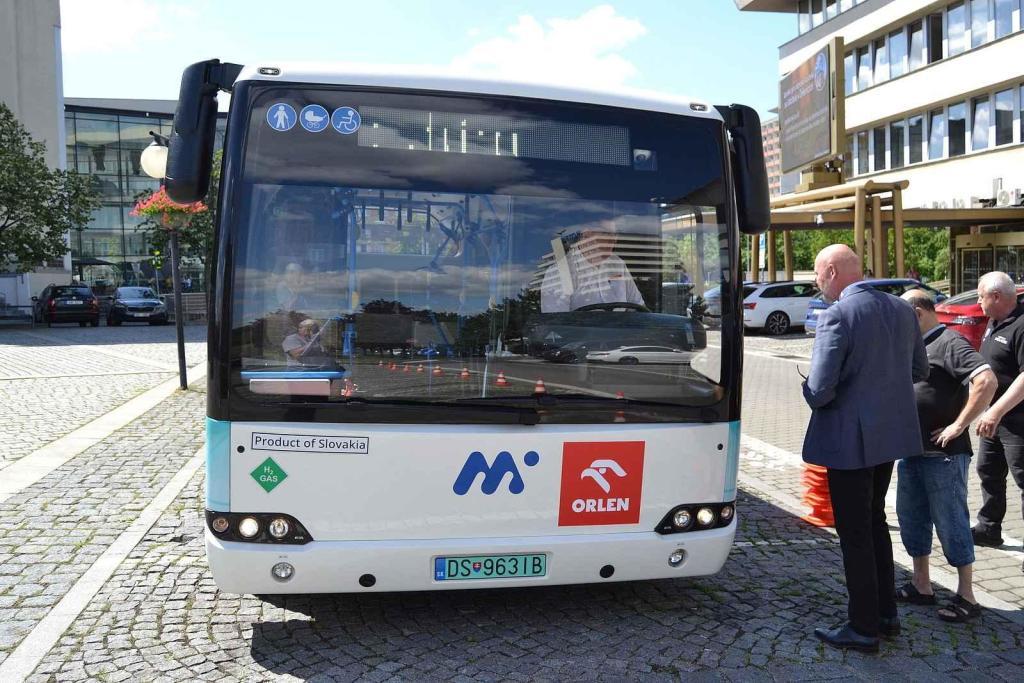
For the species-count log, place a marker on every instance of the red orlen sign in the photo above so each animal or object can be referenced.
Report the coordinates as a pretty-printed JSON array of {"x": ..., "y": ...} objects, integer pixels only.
[{"x": 601, "y": 483}]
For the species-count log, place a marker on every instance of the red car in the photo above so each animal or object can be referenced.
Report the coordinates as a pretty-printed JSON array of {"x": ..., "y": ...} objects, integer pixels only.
[{"x": 963, "y": 314}]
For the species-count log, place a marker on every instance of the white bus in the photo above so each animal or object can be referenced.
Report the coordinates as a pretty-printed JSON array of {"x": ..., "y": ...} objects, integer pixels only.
[{"x": 401, "y": 260}]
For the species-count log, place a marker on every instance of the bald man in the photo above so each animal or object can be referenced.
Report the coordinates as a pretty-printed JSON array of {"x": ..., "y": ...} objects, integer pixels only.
[{"x": 867, "y": 354}]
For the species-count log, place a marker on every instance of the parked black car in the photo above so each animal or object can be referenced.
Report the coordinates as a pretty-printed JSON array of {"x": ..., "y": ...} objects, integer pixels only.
[
  {"x": 66, "y": 304},
  {"x": 136, "y": 305}
]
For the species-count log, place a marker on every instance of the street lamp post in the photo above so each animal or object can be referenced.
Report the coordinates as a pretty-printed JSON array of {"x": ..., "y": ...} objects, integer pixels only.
[{"x": 154, "y": 163}]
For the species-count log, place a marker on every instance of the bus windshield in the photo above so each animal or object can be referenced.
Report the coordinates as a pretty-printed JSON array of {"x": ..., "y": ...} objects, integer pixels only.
[{"x": 457, "y": 252}]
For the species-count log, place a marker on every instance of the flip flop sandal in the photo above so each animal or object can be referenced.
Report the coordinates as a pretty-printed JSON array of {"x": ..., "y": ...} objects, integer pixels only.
[
  {"x": 959, "y": 610},
  {"x": 908, "y": 593}
]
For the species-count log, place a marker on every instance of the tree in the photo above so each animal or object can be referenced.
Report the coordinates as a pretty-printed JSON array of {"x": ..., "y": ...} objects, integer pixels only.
[
  {"x": 38, "y": 205},
  {"x": 195, "y": 232}
]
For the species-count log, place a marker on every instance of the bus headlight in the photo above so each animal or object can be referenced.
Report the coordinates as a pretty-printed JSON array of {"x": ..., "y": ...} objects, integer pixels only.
[
  {"x": 279, "y": 527},
  {"x": 220, "y": 524},
  {"x": 677, "y": 557},
  {"x": 682, "y": 518},
  {"x": 705, "y": 517},
  {"x": 282, "y": 571},
  {"x": 248, "y": 527},
  {"x": 726, "y": 513}
]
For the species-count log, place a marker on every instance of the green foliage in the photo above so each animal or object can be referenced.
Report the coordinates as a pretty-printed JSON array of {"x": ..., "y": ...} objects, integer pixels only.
[{"x": 38, "y": 205}]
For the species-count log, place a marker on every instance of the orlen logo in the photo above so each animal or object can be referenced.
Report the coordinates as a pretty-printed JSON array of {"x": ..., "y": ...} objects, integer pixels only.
[
  {"x": 493, "y": 473},
  {"x": 601, "y": 483}
]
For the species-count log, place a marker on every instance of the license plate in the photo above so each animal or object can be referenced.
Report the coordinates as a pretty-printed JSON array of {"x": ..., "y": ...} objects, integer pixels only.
[
  {"x": 489, "y": 567},
  {"x": 141, "y": 315},
  {"x": 73, "y": 302}
]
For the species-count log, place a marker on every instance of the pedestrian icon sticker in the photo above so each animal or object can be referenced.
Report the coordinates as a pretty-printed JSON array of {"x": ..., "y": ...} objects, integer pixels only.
[
  {"x": 281, "y": 116},
  {"x": 268, "y": 475},
  {"x": 345, "y": 120},
  {"x": 314, "y": 118}
]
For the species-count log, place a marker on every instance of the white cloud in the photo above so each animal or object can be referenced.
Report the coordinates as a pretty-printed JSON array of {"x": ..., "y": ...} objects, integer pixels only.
[
  {"x": 581, "y": 51},
  {"x": 116, "y": 26}
]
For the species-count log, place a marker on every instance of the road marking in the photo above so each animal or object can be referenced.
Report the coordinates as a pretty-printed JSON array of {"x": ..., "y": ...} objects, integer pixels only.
[
  {"x": 26, "y": 471},
  {"x": 107, "y": 352},
  {"x": 789, "y": 357},
  {"x": 47, "y": 632},
  {"x": 940, "y": 574}
]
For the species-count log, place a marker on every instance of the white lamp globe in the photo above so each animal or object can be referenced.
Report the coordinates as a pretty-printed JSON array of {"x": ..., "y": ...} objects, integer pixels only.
[{"x": 154, "y": 161}]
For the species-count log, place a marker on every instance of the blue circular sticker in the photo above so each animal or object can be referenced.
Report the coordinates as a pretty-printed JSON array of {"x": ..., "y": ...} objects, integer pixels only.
[
  {"x": 314, "y": 118},
  {"x": 281, "y": 116},
  {"x": 345, "y": 120}
]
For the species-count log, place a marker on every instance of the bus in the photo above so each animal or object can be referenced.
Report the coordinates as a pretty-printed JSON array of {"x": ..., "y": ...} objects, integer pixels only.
[{"x": 390, "y": 249}]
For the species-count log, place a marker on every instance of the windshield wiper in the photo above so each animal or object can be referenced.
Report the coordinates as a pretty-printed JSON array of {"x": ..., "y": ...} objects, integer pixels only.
[{"x": 523, "y": 414}]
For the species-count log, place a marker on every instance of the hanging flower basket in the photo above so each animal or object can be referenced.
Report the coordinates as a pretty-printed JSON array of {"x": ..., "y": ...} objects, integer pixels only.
[{"x": 159, "y": 207}]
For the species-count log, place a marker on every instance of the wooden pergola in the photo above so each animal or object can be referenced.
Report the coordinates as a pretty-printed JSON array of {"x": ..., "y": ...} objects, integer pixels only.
[{"x": 854, "y": 205}]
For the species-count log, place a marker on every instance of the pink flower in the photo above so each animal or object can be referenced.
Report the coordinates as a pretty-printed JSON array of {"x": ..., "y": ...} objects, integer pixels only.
[{"x": 159, "y": 204}]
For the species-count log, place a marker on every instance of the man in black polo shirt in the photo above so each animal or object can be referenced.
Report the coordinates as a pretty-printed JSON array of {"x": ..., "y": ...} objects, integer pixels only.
[
  {"x": 932, "y": 487},
  {"x": 1002, "y": 425}
]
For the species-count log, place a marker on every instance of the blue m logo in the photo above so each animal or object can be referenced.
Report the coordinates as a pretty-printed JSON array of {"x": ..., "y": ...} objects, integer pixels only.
[{"x": 493, "y": 473}]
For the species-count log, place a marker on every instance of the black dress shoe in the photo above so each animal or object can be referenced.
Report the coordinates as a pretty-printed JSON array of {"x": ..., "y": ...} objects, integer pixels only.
[
  {"x": 983, "y": 537},
  {"x": 889, "y": 627},
  {"x": 845, "y": 638}
]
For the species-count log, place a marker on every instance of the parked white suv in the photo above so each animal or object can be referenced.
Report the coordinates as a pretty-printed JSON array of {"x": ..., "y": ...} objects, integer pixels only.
[{"x": 777, "y": 306}]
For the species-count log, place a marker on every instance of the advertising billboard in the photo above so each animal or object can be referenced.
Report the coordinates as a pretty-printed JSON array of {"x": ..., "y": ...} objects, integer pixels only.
[{"x": 807, "y": 112}]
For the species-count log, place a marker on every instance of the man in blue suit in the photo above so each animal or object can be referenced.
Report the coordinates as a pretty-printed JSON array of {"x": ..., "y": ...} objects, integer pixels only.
[{"x": 868, "y": 353}]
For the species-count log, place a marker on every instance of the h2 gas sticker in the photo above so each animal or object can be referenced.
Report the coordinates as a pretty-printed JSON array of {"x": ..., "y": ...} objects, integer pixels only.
[{"x": 601, "y": 483}]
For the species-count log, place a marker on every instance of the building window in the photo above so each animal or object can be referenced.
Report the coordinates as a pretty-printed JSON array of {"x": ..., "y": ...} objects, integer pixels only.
[
  {"x": 957, "y": 123},
  {"x": 830, "y": 9},
  {"x": 956, "y": 29},
  {"x": 878, "y": 141},
  {"x": 916, "y": 56},
  {"x": 936, "y": 133},
  {"x": 862, "y": 152},
  {"x": 915, "y": 126},
  {"x": 804, "y": 16},
  {"x": 1004, "y": 17},
  {"x": 881, "y": 65},
  {"x": 979, "y": 22},
  {"x": 897, "y": 138},
  {"x": 849, "y": 74},
  {"x": 845, "y": 5},
  {"x": 979, "y": 123},
  {"x": 863, "y": 68},
  {"x": 934, "y": 37},
  {"x": 817, "y": 15},
  {"x": 848, "y": 161},
  {"x": 897, "y": 53},
  {"x": 1004, "y": 117}
]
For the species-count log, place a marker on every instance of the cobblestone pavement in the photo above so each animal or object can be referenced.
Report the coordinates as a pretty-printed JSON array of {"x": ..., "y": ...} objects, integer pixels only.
[
  {"x": 160, "y": 617},
  {"x": 55, "y": 380}
]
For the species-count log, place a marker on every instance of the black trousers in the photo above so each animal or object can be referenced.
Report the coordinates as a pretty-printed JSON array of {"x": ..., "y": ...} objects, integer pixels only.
[
  {"x": 858, "y": 502},
  {"x": 997, "y": 457}
]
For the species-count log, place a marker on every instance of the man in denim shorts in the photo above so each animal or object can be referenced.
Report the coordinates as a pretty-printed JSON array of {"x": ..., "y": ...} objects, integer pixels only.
[{"x": 932, "y": 487}]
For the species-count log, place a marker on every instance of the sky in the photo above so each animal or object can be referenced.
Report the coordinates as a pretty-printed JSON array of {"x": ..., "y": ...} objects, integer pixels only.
[{"x": 705, "y": 49}]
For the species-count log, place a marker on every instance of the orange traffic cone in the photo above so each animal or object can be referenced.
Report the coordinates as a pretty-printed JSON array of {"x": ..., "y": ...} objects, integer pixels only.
[
  {"x": 464, "y": 374},
  {"x": 420, "y": 368},
  {"x": 620, "y": 415},
  {"x": 501, "y": 381},
  {"x": 392, "y": 366},
  {"x": 539, "y": 387},
  {"x": 816, "y": 496},
  {"x": 380, "y": 363},
  {"x": 405, "y": 368},
  {"x": 438, "y": 372},
  {"x": 347, "y": 391}
]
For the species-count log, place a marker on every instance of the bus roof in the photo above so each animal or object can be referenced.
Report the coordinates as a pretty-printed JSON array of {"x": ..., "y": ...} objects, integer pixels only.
[{"x": 420, "y": 78}]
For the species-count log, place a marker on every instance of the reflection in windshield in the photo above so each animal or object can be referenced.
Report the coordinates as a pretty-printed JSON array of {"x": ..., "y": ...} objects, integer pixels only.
[{"x": 437, "y": 297}]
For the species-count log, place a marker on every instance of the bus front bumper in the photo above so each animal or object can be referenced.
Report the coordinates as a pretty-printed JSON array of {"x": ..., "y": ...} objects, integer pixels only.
[{"x": 408, "y": 565}]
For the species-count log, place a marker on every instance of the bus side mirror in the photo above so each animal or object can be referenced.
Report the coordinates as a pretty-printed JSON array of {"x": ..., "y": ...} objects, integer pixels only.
[
  {"x": 749, "y": 174},
  {"x": 190, "y": 150}
]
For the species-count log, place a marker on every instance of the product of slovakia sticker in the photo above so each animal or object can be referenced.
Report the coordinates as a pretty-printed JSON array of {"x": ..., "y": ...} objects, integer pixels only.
[{"x": 601, "y": 483}]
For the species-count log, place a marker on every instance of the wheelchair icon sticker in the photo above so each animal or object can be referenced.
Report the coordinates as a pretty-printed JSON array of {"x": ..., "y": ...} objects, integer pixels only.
[{"x": 345, "y": 120}]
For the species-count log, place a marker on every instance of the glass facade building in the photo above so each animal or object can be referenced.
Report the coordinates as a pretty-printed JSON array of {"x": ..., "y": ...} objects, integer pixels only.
[{"x": 106, "y": 143}]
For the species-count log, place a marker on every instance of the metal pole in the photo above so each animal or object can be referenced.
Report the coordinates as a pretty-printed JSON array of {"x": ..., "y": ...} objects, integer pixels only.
[
  {"x": 178, "y": 322},
  {"x": 770, "y": 258},
  {"x": 787, "y": 247}
]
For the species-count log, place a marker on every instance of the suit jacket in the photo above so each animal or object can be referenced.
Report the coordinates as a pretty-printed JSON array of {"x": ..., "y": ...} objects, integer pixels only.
[{"x": 868, "y": 353}]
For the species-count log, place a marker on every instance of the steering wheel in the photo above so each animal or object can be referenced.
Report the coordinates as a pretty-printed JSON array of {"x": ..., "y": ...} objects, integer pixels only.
[{"x": 612, "y": 305}]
